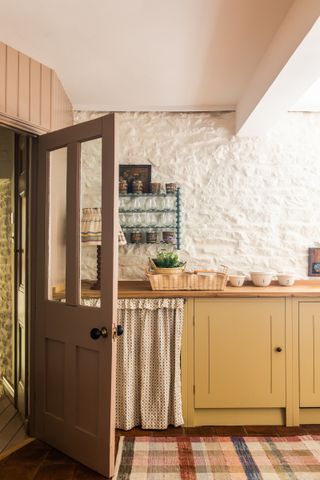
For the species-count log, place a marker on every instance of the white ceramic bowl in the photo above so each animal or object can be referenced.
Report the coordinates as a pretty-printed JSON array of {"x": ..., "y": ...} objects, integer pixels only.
[
  {"x": 261, "y": 279},
  {"x": 286, "y": 279},
  {"x": 237, "y": 280}
]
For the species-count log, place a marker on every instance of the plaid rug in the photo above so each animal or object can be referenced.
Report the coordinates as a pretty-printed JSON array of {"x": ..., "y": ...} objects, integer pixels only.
[{"x": 221, "y": 458}]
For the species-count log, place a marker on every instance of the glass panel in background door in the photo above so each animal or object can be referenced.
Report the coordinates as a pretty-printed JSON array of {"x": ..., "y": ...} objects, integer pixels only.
[
  {"x": 6, "y": 280},
  {"x": 91, "y": 222},
  {"x": 57, "y": 224}
]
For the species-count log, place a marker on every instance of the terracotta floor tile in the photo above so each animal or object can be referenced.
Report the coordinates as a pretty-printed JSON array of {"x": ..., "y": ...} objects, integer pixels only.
[
  {"x": 135, "y": 432},
  {"x": 236, "y": 431},
  {"x": 17, "y": 472},
  {"x": 264, "y": 431},
  {"x": 192, "y": 431},
  {"x": 207, "y": 431},
  {"x": 55, "y": 471},
  {"x": 84, "y": 473},
  {"x": 33, "y": 453},
  {"x": 24, "y": 463},
  {"x": 56, "y": 457},
  {"x": 169, "y": 432}
]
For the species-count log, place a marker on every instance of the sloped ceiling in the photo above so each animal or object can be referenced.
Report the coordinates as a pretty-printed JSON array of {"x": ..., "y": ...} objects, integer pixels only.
[{"x": 146, "y": 54}]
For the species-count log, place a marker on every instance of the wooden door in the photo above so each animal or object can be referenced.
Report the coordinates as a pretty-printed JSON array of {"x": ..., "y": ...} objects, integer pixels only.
[
  {"x": 22, "y": 159},
  {"x": 74, "y": 384},
  {"x": 309, "y": 354},
  {"x": 237, "y": 364}
]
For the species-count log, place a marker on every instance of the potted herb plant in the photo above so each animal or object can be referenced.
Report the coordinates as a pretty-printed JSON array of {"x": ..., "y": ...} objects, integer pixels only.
[{"x": 167, "y": 261}]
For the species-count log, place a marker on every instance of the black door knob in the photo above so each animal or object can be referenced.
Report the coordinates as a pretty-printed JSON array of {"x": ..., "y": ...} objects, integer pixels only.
[
  {"x": 96, "y": 333},
  {"x": 119, "y": 330},
  {"x": 279, "y": 349}
]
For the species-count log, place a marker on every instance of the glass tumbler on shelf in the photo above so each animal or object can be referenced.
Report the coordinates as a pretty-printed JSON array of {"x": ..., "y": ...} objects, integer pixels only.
[
  {"x": 160, "y": 203},
  {"x": 158, "y": 219},
  {"x": 122, "y": 219},
  {"x": 135, "y": 203},
  {"x": 147, "y": 205},
  {"x": 168, "y": 218},
  {"x": 151, "y": 219},
  {"x": 168, "y": 203},
  {"x": 130, "y": 220},
  {"x": 139, "y": 219},
  {"x": 151, "y": 203}
]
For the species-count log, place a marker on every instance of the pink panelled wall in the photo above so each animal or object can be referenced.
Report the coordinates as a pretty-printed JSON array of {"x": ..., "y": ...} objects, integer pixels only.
[{"x": 31, "y": 95}]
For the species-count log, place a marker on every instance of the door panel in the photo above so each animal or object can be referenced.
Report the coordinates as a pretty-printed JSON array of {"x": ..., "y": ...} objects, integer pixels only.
[
  {"x": 54, "y": 373},
  {"x": 74, "y": 382},
  {"x": 309, "y": 354},
  {"x": 87, "y": 389},
  {"x": 236, "y": 362}
]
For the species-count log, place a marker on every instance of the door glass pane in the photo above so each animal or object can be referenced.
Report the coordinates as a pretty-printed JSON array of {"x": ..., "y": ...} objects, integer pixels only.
[
  {"x": 57, "y": 224},
  {"x": 91, "y": 222}
]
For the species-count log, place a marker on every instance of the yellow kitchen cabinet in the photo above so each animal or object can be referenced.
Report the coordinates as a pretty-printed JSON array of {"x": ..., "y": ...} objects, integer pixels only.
[
  {"x": 239, "y": 353},
  {"x": 309, "y": 354}
]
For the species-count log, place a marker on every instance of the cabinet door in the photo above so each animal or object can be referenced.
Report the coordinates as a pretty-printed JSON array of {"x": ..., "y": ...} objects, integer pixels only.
[
  {"x": 309, "y": 354},
  {"x": 237, "y": 364}
]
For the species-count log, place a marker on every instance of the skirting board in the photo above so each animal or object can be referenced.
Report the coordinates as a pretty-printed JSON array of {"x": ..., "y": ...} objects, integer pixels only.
[
  {"x": 309, "y": 416},
  {"x": 238, "y": 416}
]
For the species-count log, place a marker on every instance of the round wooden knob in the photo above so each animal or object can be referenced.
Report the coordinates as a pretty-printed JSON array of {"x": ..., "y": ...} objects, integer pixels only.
[
  {"x": 279, "y": 349},
  {"x": 119, "y": 330}
]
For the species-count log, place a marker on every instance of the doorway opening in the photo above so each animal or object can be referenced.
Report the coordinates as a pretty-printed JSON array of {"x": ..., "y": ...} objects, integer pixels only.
[{"x": 15, "y": 150}]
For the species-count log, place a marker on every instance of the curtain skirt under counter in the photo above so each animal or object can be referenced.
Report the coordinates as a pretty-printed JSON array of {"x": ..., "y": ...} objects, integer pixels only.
[{"x": 148, "y": 390}]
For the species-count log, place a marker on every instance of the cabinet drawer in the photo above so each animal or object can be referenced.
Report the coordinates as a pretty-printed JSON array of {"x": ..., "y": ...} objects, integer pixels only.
[{"x": 237, "y": 364}]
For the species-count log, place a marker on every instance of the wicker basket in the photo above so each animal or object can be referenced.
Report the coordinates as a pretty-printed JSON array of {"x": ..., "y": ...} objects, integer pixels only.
[{"x": 201, "y": 280}]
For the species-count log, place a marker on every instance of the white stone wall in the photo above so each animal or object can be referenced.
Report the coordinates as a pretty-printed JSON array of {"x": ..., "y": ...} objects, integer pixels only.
[{"x": 249, "y": 203}]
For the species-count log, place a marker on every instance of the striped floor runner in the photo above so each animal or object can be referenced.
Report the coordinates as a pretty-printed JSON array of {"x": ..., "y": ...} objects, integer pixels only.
[{"x": 220, "y": 458}]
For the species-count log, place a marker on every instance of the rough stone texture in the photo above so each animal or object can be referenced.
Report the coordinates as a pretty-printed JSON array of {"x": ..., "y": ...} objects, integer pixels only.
[
  {"x": 249, "y": 203},
  {"x": 5, "y": 282}
]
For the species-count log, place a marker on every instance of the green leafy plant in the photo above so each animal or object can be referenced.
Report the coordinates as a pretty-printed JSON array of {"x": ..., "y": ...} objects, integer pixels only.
[{"x": 167, "y": 259}]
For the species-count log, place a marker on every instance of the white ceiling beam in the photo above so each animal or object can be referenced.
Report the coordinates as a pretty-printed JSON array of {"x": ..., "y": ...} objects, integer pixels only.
[{"x": 289, "y": 67}]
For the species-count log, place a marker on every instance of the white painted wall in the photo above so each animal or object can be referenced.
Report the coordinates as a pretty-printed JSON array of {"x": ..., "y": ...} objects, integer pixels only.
[{"x": 249, "y": 203}]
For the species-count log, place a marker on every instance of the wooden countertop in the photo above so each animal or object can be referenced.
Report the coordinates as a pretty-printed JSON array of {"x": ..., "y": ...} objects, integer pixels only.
[{"x": 141, "y": 289}]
